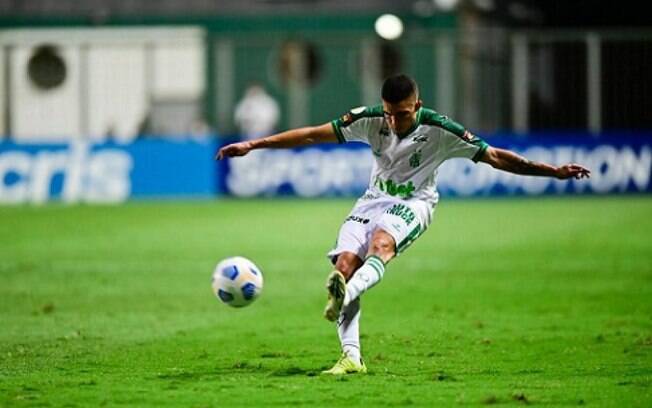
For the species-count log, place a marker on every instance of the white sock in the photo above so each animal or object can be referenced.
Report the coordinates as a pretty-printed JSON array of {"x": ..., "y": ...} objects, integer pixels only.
[
  {"x": 368, "y": 275},
  {"x": 348, "y": 328}
]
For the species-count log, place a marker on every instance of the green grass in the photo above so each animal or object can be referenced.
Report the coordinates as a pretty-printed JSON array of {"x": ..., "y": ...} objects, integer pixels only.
[{"x": 541, "y": 302}]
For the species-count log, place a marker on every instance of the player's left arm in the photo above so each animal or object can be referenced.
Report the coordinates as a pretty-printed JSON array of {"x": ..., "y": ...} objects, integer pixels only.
[{"x": 507, "y": 160}]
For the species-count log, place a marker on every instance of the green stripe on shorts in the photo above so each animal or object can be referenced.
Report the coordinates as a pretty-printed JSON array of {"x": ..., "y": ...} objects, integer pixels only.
[{"x": 412, "y": 236}]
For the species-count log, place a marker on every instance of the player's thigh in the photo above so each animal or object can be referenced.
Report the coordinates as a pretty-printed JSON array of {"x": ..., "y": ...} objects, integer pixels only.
[
  {"x": 352, "y": 238},
  {"x": 404, "y": 222}
]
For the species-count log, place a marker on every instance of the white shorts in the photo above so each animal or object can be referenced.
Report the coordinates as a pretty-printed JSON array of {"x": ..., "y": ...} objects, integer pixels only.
[{"x": 404, "y": 220}]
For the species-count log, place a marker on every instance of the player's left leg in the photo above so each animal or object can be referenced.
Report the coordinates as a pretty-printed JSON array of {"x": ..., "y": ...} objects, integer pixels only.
[
  {"x": 348, "y": 318},
  {"x": 363, "y": 278},
  {"x": 346, "y": 264}
]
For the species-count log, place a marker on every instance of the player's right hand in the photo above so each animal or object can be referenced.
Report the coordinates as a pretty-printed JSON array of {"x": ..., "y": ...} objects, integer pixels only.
[{"x": 233, "y": 150}]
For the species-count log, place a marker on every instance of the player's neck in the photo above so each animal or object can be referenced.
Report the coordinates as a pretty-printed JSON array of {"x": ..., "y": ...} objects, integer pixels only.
[{"x": 412, "y": 128}]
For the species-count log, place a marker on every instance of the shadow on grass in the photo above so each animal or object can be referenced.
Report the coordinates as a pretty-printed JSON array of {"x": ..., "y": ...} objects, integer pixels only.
[{"x": 238, "y": 368}]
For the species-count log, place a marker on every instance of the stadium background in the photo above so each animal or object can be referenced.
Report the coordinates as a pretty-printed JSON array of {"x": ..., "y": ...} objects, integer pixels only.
[
  {"x": 148, "y": 83},
  {"x": 122, "y": 105}
]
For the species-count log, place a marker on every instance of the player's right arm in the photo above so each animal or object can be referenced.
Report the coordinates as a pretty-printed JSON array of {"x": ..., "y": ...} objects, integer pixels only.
[{"x": 292, "y": 138}]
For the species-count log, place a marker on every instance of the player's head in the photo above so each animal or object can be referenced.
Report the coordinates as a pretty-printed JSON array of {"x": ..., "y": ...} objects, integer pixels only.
[{"x": 401, "y": 102}]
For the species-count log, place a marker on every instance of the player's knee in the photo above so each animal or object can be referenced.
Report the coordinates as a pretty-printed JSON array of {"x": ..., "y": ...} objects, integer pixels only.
[
  {"x": 347, "y": 263},
  {"x": 382, "y": 245}
]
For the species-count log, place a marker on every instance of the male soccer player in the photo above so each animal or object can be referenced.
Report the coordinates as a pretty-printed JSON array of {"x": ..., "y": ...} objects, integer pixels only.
[{"x": 409, "y": 143}]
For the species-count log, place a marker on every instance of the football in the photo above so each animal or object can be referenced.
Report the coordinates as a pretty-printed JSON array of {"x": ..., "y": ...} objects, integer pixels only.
[{"x": 237, "y": 281}]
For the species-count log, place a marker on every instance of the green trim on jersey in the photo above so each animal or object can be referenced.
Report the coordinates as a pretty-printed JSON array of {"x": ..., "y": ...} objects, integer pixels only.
[
  {"x": 483, "y": 148},
  {"x": 338, "y": 132},
  {"x": 432, "y": 118},
  {"x": 354, "y": 115}
]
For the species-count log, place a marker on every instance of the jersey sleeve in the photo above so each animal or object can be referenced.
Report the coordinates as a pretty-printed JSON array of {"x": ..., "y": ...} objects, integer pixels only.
[
  {"x": 355, "y": 125},
  {"x": 467, "y": 145},
  {"x": 455, "y": 140}
]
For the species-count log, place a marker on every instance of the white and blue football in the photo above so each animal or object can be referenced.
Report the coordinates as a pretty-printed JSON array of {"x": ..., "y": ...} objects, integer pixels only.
[{"x": 237, "y": 281}]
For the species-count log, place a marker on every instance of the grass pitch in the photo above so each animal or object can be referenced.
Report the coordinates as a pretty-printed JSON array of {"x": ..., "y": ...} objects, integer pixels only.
[{"x": 529, "y": 301}]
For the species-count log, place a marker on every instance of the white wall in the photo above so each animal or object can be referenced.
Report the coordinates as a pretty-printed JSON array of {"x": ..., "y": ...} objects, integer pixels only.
[
  {"x": 112, "y": 77},
  {"x": 117, "y": 91},
  {"x": 44, "y": 115},
  {"x": 179, "y": 71}
]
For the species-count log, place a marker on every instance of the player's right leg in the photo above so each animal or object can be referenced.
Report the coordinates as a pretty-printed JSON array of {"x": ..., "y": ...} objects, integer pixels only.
[
  {"x": 394, "y": 231},
  {"x": 347, "y": 263},
  {"x": 348, "y": 319}
]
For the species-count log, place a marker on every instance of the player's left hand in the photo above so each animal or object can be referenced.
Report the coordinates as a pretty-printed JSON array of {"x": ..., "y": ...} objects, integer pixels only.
[
  {"x": 572, "y": 170},
  {"x": 232, "y": 150}
]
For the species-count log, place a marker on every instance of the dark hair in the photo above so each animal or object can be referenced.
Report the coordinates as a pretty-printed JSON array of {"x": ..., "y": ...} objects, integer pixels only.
[{"x": 398, "y": 87}]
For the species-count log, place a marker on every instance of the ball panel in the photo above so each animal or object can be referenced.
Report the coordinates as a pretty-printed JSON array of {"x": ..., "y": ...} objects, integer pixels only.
[
  {"x": 224, "y": 296},
  {"x": 230, "y": 272},
  {"x": 248, "y": 291}
]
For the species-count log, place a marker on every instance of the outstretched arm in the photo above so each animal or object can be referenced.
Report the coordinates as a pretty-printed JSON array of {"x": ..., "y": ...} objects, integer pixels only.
[
  {"x": 291, "y": 138},
  {"x": 509, "y": 161}
]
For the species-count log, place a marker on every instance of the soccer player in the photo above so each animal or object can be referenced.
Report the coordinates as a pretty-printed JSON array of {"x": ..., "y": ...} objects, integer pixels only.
[{"x": 409, "y": 143}]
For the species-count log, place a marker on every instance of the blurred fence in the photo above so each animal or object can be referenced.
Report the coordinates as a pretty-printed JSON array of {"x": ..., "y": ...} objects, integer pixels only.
[{"x": 90, "y": 83}]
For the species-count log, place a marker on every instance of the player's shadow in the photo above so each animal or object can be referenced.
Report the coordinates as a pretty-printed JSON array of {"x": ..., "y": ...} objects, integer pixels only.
[
  {"x": 293, "y": 371},
  {"x": 274, "y": 371}
]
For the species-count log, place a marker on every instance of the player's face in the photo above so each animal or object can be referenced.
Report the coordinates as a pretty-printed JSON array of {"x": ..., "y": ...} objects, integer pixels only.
[{"x": 401, "y": 116}]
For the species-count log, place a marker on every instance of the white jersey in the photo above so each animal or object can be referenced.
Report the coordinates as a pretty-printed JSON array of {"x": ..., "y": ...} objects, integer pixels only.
[{"x": 405, "y": 166}]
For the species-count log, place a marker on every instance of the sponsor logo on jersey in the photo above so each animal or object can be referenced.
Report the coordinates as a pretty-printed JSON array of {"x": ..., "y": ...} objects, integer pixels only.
[
  {"x": 355, "y": 218},
  {"x": 402, "y": 211},
  {"x": 369, "y": 196},
  {"x": 420, "y": 138},
  {"x": 468, "y": 136},
  {"x": 393, "y": 189}
]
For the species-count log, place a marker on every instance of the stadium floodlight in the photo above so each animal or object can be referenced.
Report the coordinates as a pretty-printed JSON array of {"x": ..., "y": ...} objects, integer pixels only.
[{"x": 389, "y": 27}]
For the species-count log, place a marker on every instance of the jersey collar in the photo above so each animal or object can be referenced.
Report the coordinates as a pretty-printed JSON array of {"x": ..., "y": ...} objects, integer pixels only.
[{"x": 416, "y": 124}]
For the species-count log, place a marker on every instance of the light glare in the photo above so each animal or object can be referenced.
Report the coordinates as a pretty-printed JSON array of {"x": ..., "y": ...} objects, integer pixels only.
[{"x": 389, "y": 27}]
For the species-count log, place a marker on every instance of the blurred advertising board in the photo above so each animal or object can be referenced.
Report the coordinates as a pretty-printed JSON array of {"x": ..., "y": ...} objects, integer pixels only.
[
  {"x": 619, "y": 163},
  {"x": 156, "y": 168},
  {"x": 105, "y": 172}
]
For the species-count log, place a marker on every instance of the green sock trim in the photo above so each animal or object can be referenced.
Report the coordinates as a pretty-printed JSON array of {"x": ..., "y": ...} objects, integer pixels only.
[
  {"x": 377, "y": 265},
  {"x": 375, "y": 257}
]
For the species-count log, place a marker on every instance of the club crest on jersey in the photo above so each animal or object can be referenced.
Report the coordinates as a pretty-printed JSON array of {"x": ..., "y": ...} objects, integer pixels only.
[
  {"x": 415, "y": 159},
  {"x": 420, "y": 138},
  {"x": 468, "y": 136}
]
